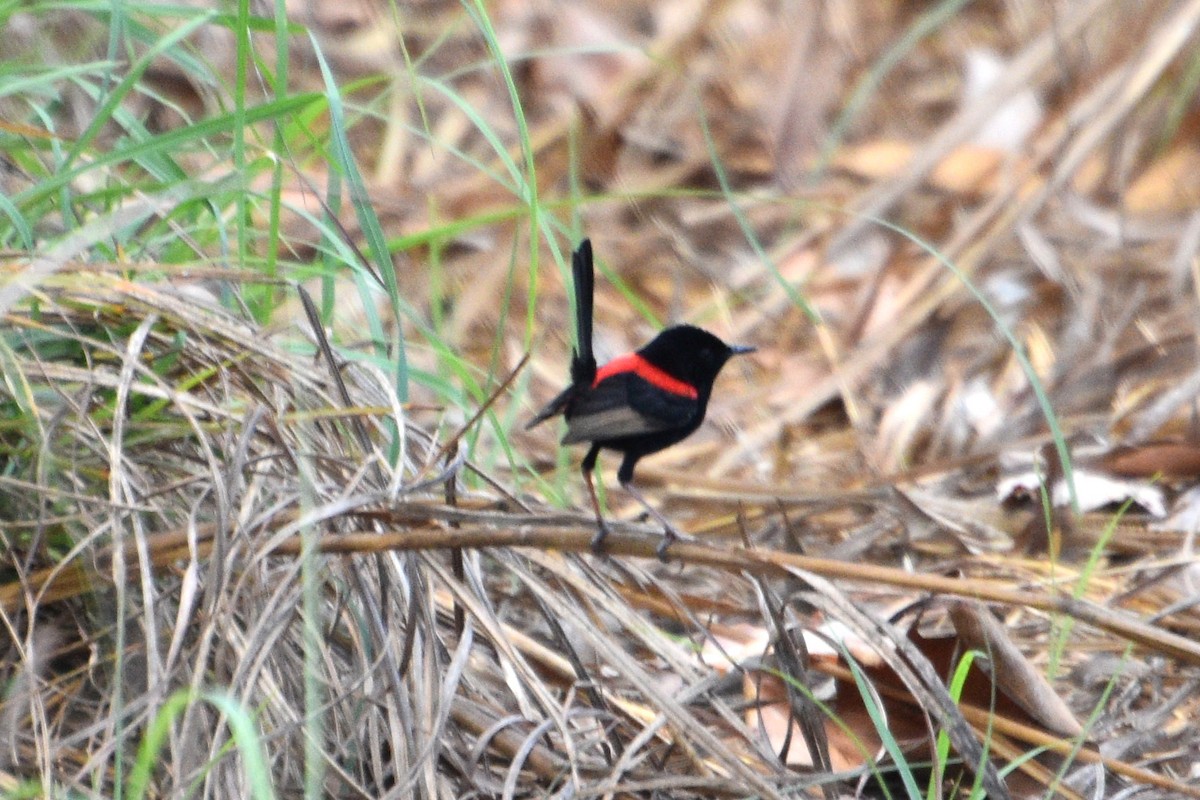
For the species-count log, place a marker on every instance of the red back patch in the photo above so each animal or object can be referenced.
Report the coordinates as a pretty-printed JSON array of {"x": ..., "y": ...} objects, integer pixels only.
[{"x": 647, "y": 372}]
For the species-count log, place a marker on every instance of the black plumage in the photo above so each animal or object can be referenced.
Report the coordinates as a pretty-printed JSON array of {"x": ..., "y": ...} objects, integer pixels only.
[{"x": 636, "y": 404}]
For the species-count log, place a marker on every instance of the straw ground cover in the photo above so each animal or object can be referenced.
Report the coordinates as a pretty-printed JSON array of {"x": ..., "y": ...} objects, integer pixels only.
[{"x": 279, "y": 293}]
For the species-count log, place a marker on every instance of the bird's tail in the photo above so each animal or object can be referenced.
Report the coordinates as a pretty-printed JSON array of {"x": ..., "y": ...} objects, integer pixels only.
[{"x": 583, "y": 363}]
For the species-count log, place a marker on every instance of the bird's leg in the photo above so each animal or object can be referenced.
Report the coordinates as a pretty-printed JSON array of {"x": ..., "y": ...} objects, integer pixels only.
[
  {"x": 589, "y": 466},
  {"x": 670, "y": 533}
]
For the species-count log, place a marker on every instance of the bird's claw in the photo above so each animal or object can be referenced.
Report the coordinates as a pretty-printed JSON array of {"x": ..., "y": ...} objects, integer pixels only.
[
  {"x": 670, "y": 536},
  {"x": 598, "y": 540},
  {"x": 668, "y": 539}
]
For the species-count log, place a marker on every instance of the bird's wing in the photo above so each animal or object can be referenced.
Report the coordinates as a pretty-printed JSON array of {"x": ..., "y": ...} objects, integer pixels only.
[
  {"x": 555, "y": 407},
  {"x": 624, "y": 405}
]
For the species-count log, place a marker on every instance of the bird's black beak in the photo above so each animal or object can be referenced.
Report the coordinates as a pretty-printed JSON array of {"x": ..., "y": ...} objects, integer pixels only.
[{"x": 740, "y": 349}]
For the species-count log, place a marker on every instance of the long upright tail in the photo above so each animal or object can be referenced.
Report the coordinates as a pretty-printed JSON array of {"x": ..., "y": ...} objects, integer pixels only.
[
  {"x": 583, "y": 360},
  {"x": 583, "y": 363}
]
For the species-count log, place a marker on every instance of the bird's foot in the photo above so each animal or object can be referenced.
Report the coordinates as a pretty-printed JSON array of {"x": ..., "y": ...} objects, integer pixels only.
[
  {"x": 598, "y": 539},
  {"x": 670, "y": 536}
]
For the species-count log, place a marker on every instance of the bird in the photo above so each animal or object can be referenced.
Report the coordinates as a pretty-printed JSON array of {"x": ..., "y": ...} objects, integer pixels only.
[{"x": 638, "y": 403}]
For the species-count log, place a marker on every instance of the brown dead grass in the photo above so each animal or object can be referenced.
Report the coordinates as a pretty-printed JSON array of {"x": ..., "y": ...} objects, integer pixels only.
[{"x": 848, "y": 473}]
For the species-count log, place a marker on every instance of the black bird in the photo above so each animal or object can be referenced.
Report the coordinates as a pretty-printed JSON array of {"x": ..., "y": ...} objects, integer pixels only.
[{"x": 638, "y": 403}]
